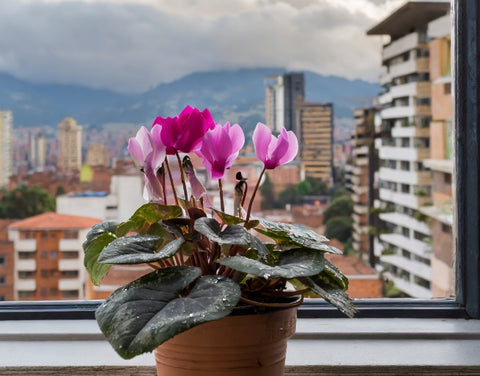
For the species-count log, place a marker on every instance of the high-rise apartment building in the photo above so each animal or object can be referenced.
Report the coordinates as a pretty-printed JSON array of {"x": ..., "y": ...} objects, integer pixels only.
[
  {"x": 70, "y": 145},
  {"x": 440, "y": 217},
  {"x": 97, "y": 155},
  {"x": 48, "y": 253},
  {"x": 282, "y": 93},
  {"x": 37, "y": 152},
  {"x": 6, "y": 153},
  {"x": 363, "y": 166},
  {"x": 405, "y": 251},
  {"x": 315, "y": 134}
]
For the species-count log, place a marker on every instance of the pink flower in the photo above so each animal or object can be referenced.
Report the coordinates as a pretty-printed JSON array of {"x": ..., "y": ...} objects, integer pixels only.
[
  {"x": 273, "y": 151},
  {"x": 184, "y": 133},
  {"x": 220, "y": 148},
  {"x": 148, "y": 152}
]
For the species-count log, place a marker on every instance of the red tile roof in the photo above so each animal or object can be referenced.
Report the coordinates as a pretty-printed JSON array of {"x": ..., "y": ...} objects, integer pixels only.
[{"x": 54, "y": 221}]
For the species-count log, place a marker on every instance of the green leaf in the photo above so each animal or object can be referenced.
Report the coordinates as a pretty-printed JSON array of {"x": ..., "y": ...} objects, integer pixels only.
[
  {"x": 232, "y": 220},
  {"x": 335, "y": 275},
  {"x": 99, "y": 236},
  {"x": 233, "y": 234},
  {"x": 149, "y": 311},
  {"x": 147, "y": 215},
  {"x": 138, "y": 249},
  {"x": 292, "y": 236},
  {"x": 322, "y": 285},
  {"x": 99, "y": 229},
  {"x": 92, "y": 249},
  {"x": 291, "y": 264}
]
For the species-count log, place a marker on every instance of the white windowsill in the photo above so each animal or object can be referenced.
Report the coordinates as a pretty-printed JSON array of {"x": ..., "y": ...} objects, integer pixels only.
[{"x": 324, "y": 342}]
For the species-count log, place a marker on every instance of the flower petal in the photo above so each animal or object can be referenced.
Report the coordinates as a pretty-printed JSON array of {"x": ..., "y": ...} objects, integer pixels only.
[{"x": 262, "y": 136}]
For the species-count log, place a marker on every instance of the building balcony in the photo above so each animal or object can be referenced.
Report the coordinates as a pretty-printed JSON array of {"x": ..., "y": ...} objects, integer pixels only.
[
  {"x": 411, "y": 289},
  {"x": 408, "y": 67},
  {"x": 69, "y": 284},
  {"x": 413, "y": 267},
  {"x": 25, "y": 285},
  {"x": 70, "y": 244},
  {"x": 361, "y": 161},
  {"x": 401, "y": 45},
  {"x": 26, "y": 265},
  {"x": 403, "y": 153},
  {"x": 411, "y": 131},
  {"x": 360, "y": 209},
  {"x": 405, "y": 177},
  {"x": 405, "y": 199},
  {"x": 70, "y": 264},
  {"x": 413, "y": 246},
  {"x": 26, "y": 245},
  {"x": 397, "y": 112},
  {"x": 412, "y": 89},
  {"x": 405, "y": 221},
  {"x": 385, "y": 98}
]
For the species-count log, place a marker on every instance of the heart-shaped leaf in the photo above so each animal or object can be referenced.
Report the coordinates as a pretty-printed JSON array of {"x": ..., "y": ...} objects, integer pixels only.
[
  {"x": 331, "y": 292},
  {"x": 288, "y": 235},
  {"x": 99, "y": 229},
  {"x": 138, "y": 249},
  {"x": 146, "y": 215},
  {"x": 99, "y": 236},
  {"x": 150, "y": 310},
  {"x": 231, "y": 219},
  {"x": 293, "y": 263},
  {"x": 233, "y": 234}
]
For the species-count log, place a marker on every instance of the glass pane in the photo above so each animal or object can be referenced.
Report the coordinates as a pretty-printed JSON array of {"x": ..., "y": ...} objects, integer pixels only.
[{"x": 365, "y": 85}]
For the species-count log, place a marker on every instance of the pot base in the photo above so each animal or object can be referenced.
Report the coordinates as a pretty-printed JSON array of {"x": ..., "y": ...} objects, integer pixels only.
[{"x": 247, "y": 345}]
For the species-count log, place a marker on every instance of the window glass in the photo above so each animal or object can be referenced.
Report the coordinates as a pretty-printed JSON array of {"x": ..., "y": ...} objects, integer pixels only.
[{"x": 373, "y": 116}]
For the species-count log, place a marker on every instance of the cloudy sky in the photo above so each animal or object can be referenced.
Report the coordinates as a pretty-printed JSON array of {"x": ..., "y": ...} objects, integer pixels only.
[{"x": 133, "y": 45}]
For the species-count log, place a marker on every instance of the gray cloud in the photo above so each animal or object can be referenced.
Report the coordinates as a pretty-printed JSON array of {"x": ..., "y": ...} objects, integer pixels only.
[{"x": 134, "y": 46}]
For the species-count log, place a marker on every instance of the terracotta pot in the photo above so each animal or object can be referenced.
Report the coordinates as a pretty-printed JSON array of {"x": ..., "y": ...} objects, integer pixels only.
[{"x": 243, "y": 345}]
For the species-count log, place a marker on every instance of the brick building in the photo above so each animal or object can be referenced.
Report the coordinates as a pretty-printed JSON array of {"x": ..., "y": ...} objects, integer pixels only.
[{"x": 48, "y": 256}]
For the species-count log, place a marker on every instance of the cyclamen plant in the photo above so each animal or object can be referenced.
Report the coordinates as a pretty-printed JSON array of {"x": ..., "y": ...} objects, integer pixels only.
[{"x": 205, "y": 261}]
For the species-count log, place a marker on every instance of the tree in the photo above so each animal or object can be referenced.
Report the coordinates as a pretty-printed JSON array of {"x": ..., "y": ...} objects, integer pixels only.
[
  {"x": 340, "y": 207},
  {"x": 339, "y": 228},
  {"x": 23, "y": 202},
  {"x": 289, "y": 195},
  {"x": 304, "y": 188}
]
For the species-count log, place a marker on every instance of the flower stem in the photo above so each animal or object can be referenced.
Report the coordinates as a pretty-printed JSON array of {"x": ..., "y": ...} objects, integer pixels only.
[
  {"x": 220, "y": 189},
  {"x": 171, "y": 180},
  {"x": 253, "y": 196},
  {"x": 182, "y": 176}
]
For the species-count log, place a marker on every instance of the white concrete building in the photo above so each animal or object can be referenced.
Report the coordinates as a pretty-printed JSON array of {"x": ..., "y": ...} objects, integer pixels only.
[
  {"x": 404, "y": 181},
  {"x": 126, "y": 196}
]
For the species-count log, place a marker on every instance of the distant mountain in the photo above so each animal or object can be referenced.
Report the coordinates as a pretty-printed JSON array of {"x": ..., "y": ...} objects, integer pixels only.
[
  {"x": 236, "y": 96},
  {"x": 47, "y": 104}
]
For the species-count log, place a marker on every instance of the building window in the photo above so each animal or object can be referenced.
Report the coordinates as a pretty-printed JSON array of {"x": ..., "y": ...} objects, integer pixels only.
[
  {"x": 2, "y": 260},
  {"x": 70, "y": 234},
  {"x": 53, "y": 255},
  {"x": 2, "y": 280},
  {"x": 70, "y": 254},
  {"x": 447, "y": 88},
  {"x": 447, "y": 178}
]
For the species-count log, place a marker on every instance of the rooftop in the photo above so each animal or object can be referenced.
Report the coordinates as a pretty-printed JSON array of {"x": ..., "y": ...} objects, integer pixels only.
[
  {"x": 410, "y": 16},
  {"x": 54, "y": 221}
]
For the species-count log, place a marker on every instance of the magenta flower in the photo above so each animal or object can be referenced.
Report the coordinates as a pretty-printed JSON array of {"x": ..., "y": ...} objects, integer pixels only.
[
  {"x": 220, "y": 148},
  {"x": 273, "y": 151},
  {"x": 148, "y": 152},
  {"x": 184, "y": 133}
]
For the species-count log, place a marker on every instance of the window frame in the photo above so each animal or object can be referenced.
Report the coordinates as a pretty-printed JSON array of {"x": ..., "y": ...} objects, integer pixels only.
[{"x": 466, "y": 80}]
